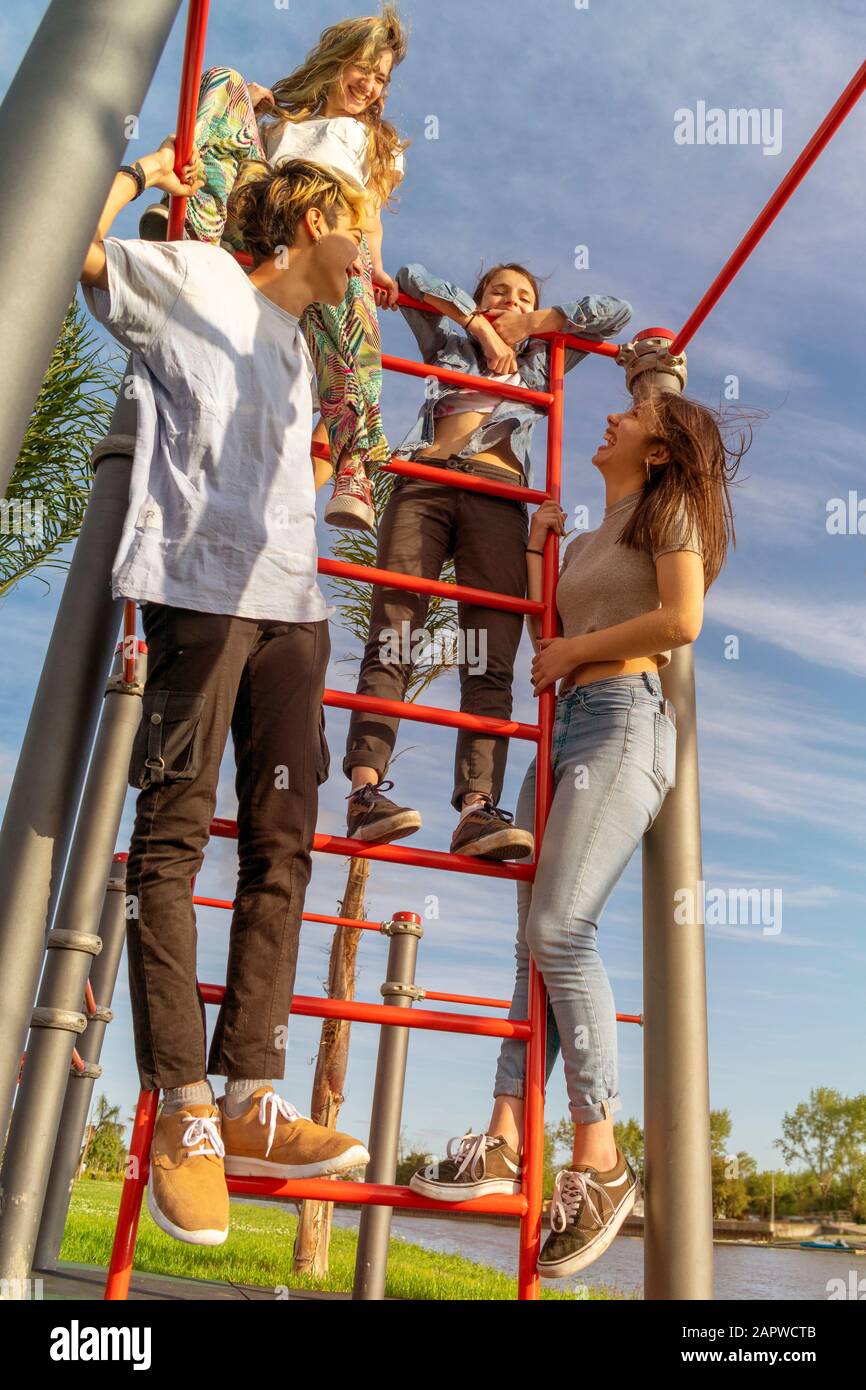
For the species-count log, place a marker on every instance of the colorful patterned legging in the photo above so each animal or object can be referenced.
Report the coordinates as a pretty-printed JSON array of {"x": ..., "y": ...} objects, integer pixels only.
[{"x": 344, "y": 340}]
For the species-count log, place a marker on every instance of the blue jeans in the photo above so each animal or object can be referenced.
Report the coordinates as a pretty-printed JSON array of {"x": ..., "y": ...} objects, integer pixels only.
[{"x": 614, "y": 761}]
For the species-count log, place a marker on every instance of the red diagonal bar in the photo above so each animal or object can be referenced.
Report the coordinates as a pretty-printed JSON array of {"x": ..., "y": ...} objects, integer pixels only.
[
  {"x": 226, "y": 829},
  {"x": 356, "y": 1011},
  {"x": 467, "y": 999},
  {"x": 430, "y": 714},
  {"x": 459, "y": 593},
  {"x": 452, "y": 477},
  {"x": 354, "y": 922},
  {"x": 406, "y": 367},
  {"x": 795, "y": 175},
  {"x": 449, "y": 477}
]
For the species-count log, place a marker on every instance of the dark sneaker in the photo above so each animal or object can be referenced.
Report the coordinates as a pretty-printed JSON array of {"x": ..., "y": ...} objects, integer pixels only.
[
  {"x": 153, "y": 223},
  {"x": 371, "y": 817},
  {"x": 480, "y": 1165},
  {"x": 487, "y": 831},
  {"x": 585, "y": 1216}
]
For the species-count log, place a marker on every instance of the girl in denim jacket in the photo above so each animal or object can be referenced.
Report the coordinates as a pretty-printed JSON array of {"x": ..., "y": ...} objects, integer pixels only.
[{"x": 424, "y": 524}]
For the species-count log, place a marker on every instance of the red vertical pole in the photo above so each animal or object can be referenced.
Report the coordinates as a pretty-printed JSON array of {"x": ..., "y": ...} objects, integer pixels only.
[
  {"x": 130, "y": 649},
  {"x": 193, "y": 59},
  {"x": 536, "y": 1047},
  {"x": 123, "y": 1250}
]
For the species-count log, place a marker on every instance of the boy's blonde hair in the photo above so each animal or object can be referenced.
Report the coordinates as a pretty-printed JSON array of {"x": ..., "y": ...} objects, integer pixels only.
[
  {"x": 302, "y": 93},
  {"x": 270, "y": 204}
]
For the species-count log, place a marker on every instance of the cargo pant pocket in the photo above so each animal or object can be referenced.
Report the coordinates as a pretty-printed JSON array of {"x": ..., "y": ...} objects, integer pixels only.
[
  {"x": 168, "y": 743},
  {"x": 323, "y": 759}
]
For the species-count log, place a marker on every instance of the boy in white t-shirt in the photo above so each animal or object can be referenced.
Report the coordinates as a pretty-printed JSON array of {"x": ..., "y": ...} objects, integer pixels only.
[{"x": 219, "y": 547}]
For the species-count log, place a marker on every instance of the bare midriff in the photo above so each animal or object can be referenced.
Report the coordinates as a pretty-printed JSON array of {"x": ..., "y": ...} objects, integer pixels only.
[
  {"x": 452, "y": 432},
  {"x": 602, "y": 670}
]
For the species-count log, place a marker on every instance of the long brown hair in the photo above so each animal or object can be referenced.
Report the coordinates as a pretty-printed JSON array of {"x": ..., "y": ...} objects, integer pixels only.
[
  {"x": 487, "y": 276},
  {"x": 689, "y": 493},
  {"x": 304, "y": 91}
]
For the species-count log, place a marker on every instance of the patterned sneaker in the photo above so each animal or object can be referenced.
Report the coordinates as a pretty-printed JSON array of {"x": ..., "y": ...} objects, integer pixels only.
[
  {"x": 371, "y": 817},
  {"x": 586, "y": 1213},
  {"x": 351, "y": 503},
  {"x": 271, "y": 1139},
  {"x": 487, "y": 831},
  {"x": 480, "y": 1165},
  {"x": 186, "y": 1189}
]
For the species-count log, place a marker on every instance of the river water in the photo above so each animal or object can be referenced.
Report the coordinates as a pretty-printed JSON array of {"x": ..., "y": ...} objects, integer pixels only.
[{"x": 742, "y": 1272}]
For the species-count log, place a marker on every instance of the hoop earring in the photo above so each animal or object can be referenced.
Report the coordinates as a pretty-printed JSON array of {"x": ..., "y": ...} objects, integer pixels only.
[{"x": 647, "y": 462}]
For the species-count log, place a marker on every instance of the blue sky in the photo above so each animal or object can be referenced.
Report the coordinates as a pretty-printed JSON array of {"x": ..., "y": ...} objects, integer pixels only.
[{"x": 556, "y": 130}]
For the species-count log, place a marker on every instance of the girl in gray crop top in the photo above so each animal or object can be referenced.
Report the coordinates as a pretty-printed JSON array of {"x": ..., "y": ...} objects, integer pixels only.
[{"x": 628, "y": 593}]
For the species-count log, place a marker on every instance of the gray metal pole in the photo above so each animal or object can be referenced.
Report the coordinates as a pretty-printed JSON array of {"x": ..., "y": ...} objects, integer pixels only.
[
  {"x": 65, "y": 122},
  {"x": 374, "y": 1231},
  {"x": 678, "y": 1210},
  {"x": 79, "y": 1089},
  {"x": 43, "y": 1087},
  {"x": 678, "y": 1207},
  {"x": 44, "y": 795}
]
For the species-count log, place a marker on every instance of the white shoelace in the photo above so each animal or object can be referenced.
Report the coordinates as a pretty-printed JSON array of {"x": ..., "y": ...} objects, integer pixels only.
[
  {"x": 570, "y": 1191},
  {"x": 270, "y": 1106},
  {"x": 471, "y": 1150},
  {"x": 203, "y": 1130}
]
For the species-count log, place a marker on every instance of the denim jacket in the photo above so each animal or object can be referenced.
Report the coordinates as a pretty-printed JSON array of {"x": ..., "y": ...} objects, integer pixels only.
[{"x": 444, "y": 344}]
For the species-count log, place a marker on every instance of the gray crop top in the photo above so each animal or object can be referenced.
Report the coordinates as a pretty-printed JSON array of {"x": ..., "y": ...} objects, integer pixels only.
[{"x": 602, "y": 583}]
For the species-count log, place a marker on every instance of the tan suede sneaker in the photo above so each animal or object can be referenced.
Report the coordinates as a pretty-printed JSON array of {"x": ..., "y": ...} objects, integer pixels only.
[
  {"x": 271, "y": 1139},
  {"x": 186, "y": 1190}
]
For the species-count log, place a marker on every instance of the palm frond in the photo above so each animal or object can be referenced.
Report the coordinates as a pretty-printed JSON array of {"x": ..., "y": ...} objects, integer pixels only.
[{"x": 48, "y": 492}]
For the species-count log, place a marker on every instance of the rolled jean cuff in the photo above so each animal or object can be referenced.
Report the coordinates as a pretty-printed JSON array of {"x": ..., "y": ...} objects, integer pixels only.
[
  {"x": 600, "y": 1110},
  {"x": 363, "y": 757},
  {"x": 468, "y": 785},
  {"x": 508, "y": 1088}
]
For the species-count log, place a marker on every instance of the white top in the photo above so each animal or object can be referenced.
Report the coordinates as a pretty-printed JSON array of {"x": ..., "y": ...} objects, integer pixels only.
[
  {"x": 480, "y": 401},
  {"x": 222, "y": 504},
  {"x": 337, "y": 142}
]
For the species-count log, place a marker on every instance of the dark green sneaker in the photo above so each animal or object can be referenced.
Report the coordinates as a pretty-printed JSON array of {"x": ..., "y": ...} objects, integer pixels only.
[
  {"x": 586, "y": 1213},
  {"x": 371, "y": 817},
  {"x": 480, "y": 1164},
  {"x": 486, "y": 831}
]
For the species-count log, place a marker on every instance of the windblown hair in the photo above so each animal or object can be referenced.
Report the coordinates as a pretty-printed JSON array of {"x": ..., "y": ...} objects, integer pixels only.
[
  {"x": 268, "y": 209},
  {"x": 353, "y": 41},
  {"x": 494, "y": 270},
  {"x": 689, "y": 494}
]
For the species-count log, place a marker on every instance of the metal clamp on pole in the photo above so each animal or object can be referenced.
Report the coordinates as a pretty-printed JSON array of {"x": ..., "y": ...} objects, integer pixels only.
[
  {"x": 58, "y": 1018},
  {"x": 374, "y": 1231},
  {"x": 392, "y": 988},
  {"x": 62, "y": 940},
  {"x": 649, "y": 351},
  {"x": 76, "y": 1102},
  {"x": 411, "y": 926}
]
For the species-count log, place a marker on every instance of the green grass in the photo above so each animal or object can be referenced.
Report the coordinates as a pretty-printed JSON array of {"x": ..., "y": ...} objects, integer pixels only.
[{"x": 259, "y": 1252}]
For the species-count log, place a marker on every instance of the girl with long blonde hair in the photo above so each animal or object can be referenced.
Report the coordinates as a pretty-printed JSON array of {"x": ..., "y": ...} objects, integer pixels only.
[{"x": 329, "y": 110}]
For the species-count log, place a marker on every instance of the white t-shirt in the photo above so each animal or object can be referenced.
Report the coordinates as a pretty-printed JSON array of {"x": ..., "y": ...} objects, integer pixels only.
[
  {"x": 337, "y": 142},
  {"x": 222, "y": 503}
]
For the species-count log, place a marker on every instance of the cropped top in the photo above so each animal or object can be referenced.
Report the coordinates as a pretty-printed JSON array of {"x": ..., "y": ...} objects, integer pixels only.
[
  {"x": 482, "y": 402},
  {"x": 602, "y": 583},
  {"x": 337, "y": 142}
]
